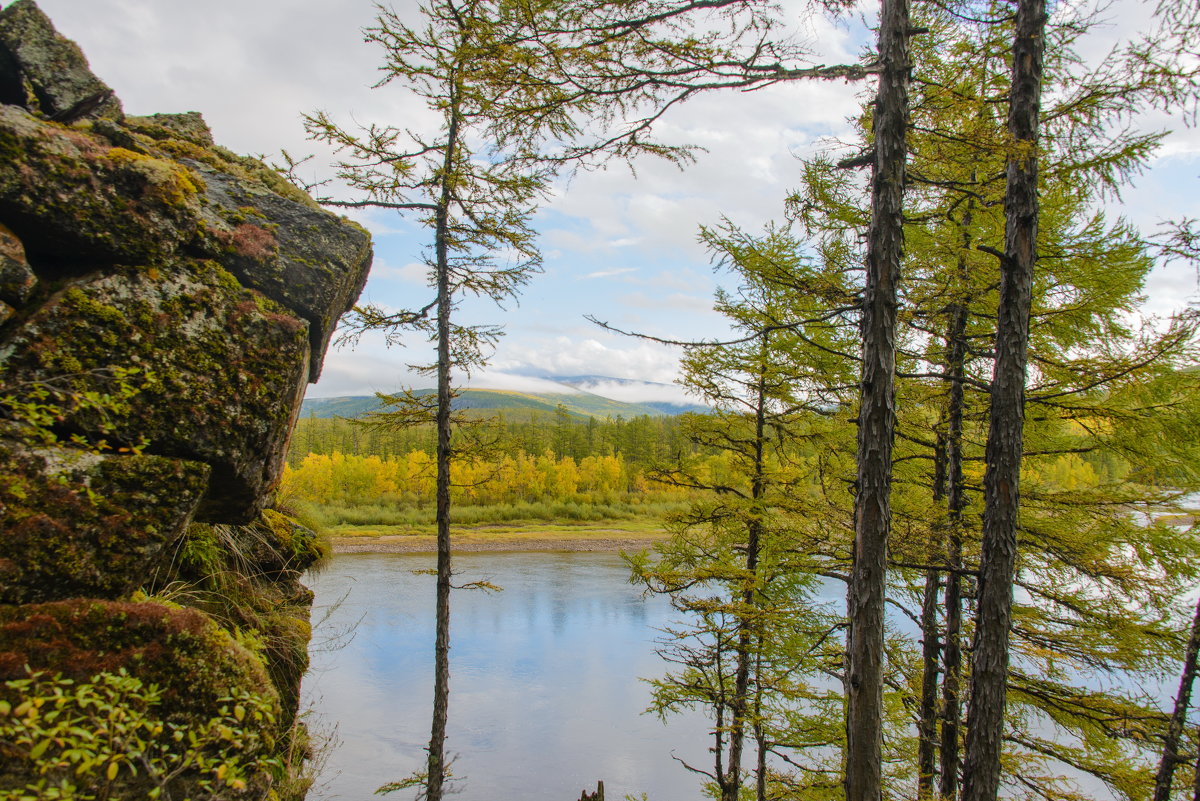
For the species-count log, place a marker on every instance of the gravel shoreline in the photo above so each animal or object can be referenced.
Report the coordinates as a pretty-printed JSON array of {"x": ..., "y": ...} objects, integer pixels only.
[{"x": 428, "y": 545}]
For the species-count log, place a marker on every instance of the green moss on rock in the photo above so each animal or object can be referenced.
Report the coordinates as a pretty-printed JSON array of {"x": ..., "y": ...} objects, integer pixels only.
[
  {"x": 64, "y": 193},
  {"x": 17, "y": 279},
  {"x": 222, "y": 371},
  {"x": 247, "y": 578},
  {"x": 181, "y": 650},
  {"x": 80, "y": 524},
  {"x": 43, "y": 70}
]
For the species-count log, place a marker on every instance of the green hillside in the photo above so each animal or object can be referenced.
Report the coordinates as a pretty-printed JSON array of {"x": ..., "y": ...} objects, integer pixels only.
[{"x": 580, "y": 404}]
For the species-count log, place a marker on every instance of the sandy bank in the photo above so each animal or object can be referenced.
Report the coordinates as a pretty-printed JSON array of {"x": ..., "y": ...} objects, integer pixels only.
[{"x": 427, "y": 544}]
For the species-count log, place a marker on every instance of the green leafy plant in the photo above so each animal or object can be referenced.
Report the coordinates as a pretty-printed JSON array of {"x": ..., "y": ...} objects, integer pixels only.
[
  {"x": 44, "y": 404},
  {"x": 107, "y": 737}
]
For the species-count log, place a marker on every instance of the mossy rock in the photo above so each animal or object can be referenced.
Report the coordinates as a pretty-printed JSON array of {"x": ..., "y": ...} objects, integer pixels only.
[
  {"x": 44, "y": 71},
  {"x": 17, "y": 279},
  {"x": 191, "y": 659},
  {"x": 222, "y": 372},
  {"x": 247, "y": 578},
  {"x": 76, "y": 201},
  {"x": 304, "y": 258},
  {"x": 187, "y": 125},
  {"x": 201, "y": 672},
  {"x": 74, "y": 523}
]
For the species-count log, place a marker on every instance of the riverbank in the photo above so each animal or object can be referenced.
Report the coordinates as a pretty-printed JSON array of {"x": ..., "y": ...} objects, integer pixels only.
[{"x": 610, "y": 536}]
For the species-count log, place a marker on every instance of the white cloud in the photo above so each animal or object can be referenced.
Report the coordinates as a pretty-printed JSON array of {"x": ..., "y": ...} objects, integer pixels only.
[
  {"x": 360, "y": 373},
  {"x": 495, "y": 379},
  {"x": 641, "y": 360},
  {"x": 412, "y": 272},
  {"x": 638, "y": 392},
  {"x": 680, "y": 301},
  {"x": 611, "y": 273}
]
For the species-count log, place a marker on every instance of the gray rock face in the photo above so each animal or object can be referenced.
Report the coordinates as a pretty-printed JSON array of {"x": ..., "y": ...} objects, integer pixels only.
[
  {"x": 218, "y": 372},
  {"x": 163, "y": 303},
  {"x": 294, "y": 254},
  {"x": 134, "y": 251},
  {"x": 68, "y": 194},
  {"x": 188, "y": 125},
  {"x": 16, "y": 277},
  {"x": 43, "y": 71}
]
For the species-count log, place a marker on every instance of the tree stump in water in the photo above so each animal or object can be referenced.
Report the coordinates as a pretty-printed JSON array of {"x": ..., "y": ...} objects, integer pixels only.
[{"x": 596, "y": 796}]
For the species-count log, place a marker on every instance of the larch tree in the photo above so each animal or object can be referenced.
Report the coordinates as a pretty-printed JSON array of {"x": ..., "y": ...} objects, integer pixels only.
[
  {"x": 876, "y": 411},
  {"x": 740, "y": 565},
  {"x": 472, "y": 184},
  {"x": 1092, "y": 272}
]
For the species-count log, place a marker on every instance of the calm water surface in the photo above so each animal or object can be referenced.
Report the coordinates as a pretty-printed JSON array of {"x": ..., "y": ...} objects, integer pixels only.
[{"x": 545, "y": 690}]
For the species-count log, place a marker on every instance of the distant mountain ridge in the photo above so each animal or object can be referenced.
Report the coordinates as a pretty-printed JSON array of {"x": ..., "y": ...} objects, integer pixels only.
[{"x": 577, "y": 403}]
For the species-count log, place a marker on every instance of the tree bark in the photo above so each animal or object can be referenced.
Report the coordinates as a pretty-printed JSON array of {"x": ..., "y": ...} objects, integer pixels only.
[
  {"x": 989, "y": 682},
  {"x": 436, "y": 769},
  {"x": 956, "y": 502},
  {"x": 927, "y": 715},
  {"x": 877, "y": 414},
  {"x": 1196, "y": 773},
  {"x": 931, "y": 646},
  {"x": 1183, "y": 699}
]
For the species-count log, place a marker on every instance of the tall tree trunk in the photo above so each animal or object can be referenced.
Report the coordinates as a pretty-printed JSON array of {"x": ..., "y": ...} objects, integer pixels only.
[
  {"x": 877, "y": 414},
  {"x": 760, "y": 734},
  {"x": 927, "y": 714},
  {"x": 731, "y": 782},
  {"x": 956, "y": 502},
  {"x": 436, "y": 768},
  {"x": 1183, "y": 699},
  {"x": 989, "y": 675},
  {"x": 931, "y": 645},
  {"x": 1196, "y": 773}
]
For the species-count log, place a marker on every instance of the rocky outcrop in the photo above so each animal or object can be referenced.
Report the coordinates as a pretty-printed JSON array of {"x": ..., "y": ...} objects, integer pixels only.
[
  {"x": 163, "y": 303},
  {"x": 43, "y": 71}
]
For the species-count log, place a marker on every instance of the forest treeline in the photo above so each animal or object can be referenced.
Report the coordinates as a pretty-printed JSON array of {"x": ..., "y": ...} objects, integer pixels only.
[
  {"x": 533, "y": 467},
  {"x": 546, "y": 468}
]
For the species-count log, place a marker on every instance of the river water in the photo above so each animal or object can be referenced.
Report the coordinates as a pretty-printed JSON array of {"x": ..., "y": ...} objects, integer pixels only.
[{"x": 546, "y": 696}]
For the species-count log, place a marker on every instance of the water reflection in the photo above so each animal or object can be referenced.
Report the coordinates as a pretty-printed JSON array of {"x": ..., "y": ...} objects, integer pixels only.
[{"x": 544, "y": 679}]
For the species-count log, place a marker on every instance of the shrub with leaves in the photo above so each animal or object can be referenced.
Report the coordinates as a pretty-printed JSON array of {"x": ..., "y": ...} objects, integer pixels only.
[
  {"x": 42, "y": 405},
  {"x": 104, "y": 738}
]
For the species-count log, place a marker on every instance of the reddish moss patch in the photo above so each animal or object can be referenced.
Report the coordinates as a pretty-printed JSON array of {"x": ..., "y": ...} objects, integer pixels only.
[
  {"x": 181, "y": 650},
  {"x": 77, "y": 524}
]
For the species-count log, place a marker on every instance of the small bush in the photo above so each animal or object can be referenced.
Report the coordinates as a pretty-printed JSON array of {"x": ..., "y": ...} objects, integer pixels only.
[{"x": 104, "y": 738}]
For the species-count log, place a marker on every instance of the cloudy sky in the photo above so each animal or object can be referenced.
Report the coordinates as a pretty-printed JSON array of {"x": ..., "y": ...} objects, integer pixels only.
[{"x": 617, "y": 247}]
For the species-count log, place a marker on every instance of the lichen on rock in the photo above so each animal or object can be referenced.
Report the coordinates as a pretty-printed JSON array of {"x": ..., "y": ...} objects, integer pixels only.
[
  {"x": 222, "y": 370},
  {"x": 42, "y": 70},
  {"x": 16, "y": 276}
]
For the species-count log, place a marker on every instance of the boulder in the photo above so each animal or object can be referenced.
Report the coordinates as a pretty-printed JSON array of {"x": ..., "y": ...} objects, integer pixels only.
[
  {"x": 16, "y": 276},
  {"x": 147, "y": 191},
  {"x": 76, "y": 201},
  {"x": 181, "y": 650},
  {"x": 163, "y": 303},
  {"x": 76, "y": 524},
  {"x": 211, "y": 689},
  {"x": 189, "y": 125},
  {"x": 302, "y": 257},
  {"x": 42, "y": 71},
  {"x": 219, "y": 372}
]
